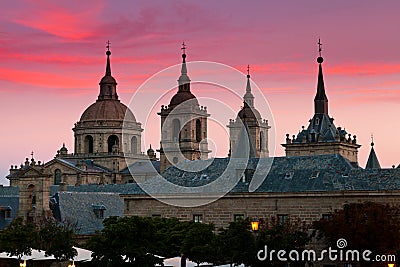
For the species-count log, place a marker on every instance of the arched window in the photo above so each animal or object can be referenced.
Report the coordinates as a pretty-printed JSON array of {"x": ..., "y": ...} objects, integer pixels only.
[
  {"x": 176, "y": 130},
  {"x": 57, "y": 177},
  {"x": 112, "y": 140},
  {"x": 88, "y": 144},
  {"x": 261, "y": 141},
  {"x": 134, "y": 149},
  {"x": 198, "y": 130}
]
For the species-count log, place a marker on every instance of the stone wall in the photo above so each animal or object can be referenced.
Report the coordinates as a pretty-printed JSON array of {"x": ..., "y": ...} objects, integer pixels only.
[{"x": 306, "y": 206}]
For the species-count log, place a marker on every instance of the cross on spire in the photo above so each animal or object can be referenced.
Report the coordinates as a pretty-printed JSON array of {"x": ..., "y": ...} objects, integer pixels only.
[
  {"x": 372, "y": 139},
  {"x": 32, "y": 154},
  {"x": 183, "y": 48},
  {"x": 248, "y": 69},
  {"x": 319, "y": 46},
  {"x": 108, "y": 45}
]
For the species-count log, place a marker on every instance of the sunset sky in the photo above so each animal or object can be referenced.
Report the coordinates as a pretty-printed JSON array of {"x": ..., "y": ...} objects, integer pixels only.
[{"x": 53, "y": 57}]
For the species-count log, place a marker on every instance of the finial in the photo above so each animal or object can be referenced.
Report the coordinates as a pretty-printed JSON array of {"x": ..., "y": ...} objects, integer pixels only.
[
  {"x": 183, "y": 48},
  {"x": 32, "y": 154},
  {"x": 150, "y": 146},
  {"x": 320, "y": 59},
  {"x": 372, "y": 140},
  {"x": 108, "y": 48},
  {"x": 248, "y": 71}
]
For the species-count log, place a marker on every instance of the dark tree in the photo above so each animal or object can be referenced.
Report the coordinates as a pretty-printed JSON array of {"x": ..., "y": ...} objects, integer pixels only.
[
  {"x": 365, "y": 226},
  {"x": 197, "y": 244},
  {"x": 18, "y": 238},
  {"x": 290, "y": 235},
  {"x": 235, "y": 244},
  {"x": 57, "y": 239},
  {"x": 123, "y": 241}
]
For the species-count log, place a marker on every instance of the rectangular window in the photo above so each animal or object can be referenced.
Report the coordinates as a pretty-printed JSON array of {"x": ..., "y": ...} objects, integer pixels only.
[
  {"x": 198, "y": 218},
  {"x": 99, "y": 214},
  {"x": 238, "y": 217},
  {"x": 327, "y": 217},
  {"x": 282, "y": 218},
  {"x": 7, "y": 214}
]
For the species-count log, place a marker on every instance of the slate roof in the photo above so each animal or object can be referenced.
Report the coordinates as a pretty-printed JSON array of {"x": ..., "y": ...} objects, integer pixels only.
[
  {"x": 142, "y": 167},
  {"x": 81, "y": 207},
  {"x": 373, "y": 162},
  {"x": 9, "y": 199},
  {"x": 320, "y": 173},
  {"x": 83, "y": 165}
]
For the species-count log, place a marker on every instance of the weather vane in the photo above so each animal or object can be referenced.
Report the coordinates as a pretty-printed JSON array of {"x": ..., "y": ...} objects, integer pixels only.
[
  {"x": 108, "y": 45},
  {"x": 183, "y": 48},
  {"x": 248, "y": 69},
  {"x": 319, "y": 46}
]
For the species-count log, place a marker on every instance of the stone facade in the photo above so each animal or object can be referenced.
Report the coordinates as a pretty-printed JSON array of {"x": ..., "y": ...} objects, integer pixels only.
[
  {"x": 308, "y": 206},
  {"x": 346, "y": 149}
]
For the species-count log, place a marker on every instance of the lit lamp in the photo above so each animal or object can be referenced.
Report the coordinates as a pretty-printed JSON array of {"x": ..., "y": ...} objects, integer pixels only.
[
  {"x": 22, "y": 264},
  {"x": 254, "y": 225},
  {"x": 390, "y": 264},
  {"x": 72, "y": 265}
]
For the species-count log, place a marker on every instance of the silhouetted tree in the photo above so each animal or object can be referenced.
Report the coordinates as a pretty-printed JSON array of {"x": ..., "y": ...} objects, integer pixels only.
[{"x": 365, "y": 226}]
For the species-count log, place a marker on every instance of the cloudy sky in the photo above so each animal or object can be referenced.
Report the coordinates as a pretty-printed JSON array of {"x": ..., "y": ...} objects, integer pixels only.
[{"x": 52, "y": 58}]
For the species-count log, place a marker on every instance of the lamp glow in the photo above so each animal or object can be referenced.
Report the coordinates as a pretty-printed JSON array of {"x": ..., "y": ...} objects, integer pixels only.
[
  {"x": 22, "y": 264},
  {"x": 72, "y": 265},
  {"x": 254, "y": 225}
]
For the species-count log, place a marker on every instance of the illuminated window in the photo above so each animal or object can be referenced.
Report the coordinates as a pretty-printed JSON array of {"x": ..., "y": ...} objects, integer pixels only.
[{"x": 198, "y": 218}]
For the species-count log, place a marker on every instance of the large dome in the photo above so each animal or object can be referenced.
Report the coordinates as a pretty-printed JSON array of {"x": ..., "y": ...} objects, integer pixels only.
[{"x": 107, "y": 110}]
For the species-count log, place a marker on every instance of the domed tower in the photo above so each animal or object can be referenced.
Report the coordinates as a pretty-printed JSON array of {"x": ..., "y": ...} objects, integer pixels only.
[
  {"x": 98, "y": 134},
  {"x": 183, "y": 125},
  {"x": 249, "y": 132}
]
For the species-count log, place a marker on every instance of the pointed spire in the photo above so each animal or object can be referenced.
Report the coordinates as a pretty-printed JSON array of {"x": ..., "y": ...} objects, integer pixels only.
[
  {"x": 373, "y": 162},
  {"x": 320, "y": 100},
  {"x": 184, "y": 80},
  {"x": 248, "y": 98},
  {"x": 108, "y": 53},
  {"x": 108, "y": 85}
]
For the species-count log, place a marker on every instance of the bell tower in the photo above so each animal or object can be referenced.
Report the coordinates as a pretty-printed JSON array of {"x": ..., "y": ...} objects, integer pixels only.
[
  {"x": 249, "y": 132},
  {"x": 183, "y": 125}
]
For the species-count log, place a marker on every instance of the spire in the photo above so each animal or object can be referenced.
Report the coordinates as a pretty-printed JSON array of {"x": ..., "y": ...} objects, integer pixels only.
[
  {"x": 108, "y": 53},
  {"x": 373, "y": 162},
  {"x": 184, "y": 80},
  {"x": 320, "y": 100},
  {"x": 248, "y": 98},
  {"x": 108, "y": 85}
]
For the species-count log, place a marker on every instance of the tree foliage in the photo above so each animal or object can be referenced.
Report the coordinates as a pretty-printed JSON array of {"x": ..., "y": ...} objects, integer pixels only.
[
  {"x": 18, "y": 238},
  {"x": 290, "y": 235},
  {"x": 371, "y": 226},
  {"x": 197, "y": 244},
  {"x": 235, "y": 244},
  {"x": 56, "y": 238},
  {"x": 125, "y": 240},
  {"x": 138, "y": 240}
]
